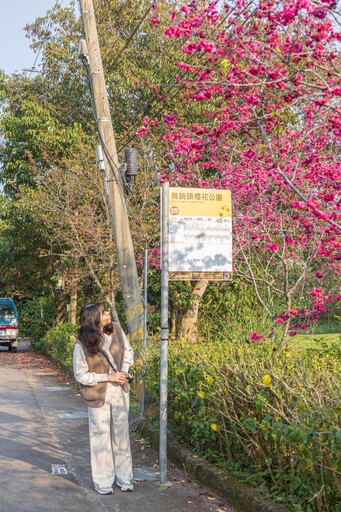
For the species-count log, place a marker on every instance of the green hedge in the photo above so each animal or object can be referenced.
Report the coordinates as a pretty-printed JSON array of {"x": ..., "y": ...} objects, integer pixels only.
[
  {"x": 272, "y": 412},
  {"x": 59, "y": 342},
  {"x": 36, "y": 317}
]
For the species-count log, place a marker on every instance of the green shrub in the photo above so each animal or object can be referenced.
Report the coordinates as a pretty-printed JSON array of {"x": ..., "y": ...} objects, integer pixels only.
[
  {"x": 36, "y": 317},
  {"x": 235, "y": 304},
  {"x": 59, "y": 342},
  {"x": 273, "y": 410}
]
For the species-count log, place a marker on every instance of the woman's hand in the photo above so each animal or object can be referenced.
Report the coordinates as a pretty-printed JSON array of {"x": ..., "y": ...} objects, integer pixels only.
[{"x": 118, "y": 377}]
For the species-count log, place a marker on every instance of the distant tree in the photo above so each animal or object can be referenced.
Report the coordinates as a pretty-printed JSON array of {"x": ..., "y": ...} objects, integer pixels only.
[
  {"x": 22, "y": 272},
  {"x": 48, "y": 136}
]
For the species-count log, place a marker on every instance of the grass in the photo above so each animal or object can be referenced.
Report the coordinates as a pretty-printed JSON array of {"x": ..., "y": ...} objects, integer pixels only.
[
  {"x": 330, "y": 328},
  {"x": 314, "y": 341}
]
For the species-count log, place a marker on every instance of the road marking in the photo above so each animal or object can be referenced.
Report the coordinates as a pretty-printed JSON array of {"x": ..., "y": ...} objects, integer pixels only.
[
  {"x": 57, "y": 388},
  {"x": 73, "y": 415},
  {"x": 42, "y": 374},
  {"x": 59, "y": 469}
]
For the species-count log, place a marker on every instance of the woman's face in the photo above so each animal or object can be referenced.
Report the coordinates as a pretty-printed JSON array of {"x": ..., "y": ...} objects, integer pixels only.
[{"x": 105, "y": 318}]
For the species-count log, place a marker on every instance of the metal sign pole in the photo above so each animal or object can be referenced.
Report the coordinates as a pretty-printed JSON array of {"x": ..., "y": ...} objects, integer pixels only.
[
  {"x": 164, "y": 333},
  {"x": 145, "y": 316}
]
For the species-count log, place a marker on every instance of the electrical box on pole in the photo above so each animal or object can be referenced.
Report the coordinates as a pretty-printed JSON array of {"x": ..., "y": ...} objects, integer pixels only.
[{"x": 91, "y": 56}]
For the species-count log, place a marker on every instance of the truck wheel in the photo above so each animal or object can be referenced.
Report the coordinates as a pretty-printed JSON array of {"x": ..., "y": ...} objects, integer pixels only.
[{"x": 13, "y": 349}]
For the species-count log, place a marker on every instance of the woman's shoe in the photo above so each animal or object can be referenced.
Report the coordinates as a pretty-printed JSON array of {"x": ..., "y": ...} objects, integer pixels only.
[
  {"x": 100, "y": 491},
  {"x": 126, "y": 486}
]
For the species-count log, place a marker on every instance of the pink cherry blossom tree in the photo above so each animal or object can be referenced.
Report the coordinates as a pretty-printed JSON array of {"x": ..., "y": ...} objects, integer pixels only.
[{"x": 259, "y": 113}]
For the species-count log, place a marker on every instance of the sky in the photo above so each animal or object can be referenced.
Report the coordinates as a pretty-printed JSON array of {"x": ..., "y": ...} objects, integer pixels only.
[{"x": 15, "y": 52}]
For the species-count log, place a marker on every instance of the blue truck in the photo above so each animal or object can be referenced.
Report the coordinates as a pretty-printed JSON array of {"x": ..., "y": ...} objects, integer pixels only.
[{"x": 9, "y": 324}]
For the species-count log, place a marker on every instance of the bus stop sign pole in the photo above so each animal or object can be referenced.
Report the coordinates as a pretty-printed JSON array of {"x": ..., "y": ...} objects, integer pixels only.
[{"x": 164, "y": 333}]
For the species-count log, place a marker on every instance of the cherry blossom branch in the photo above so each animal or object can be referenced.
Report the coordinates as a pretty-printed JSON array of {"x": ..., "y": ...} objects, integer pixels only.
[{"x": 285, "y": 177}]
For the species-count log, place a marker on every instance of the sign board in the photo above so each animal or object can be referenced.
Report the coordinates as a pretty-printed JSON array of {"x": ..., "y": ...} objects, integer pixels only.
[
  {"x": 195, "y": 276},
  {"x": 200, "y": 234}
]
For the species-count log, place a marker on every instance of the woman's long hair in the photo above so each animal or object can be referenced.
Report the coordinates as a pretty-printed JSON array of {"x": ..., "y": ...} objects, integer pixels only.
[{"x": 90, "y": 333}]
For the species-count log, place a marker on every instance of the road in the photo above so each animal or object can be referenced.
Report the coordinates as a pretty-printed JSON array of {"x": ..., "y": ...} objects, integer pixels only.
[{"x": 44, "y": 450}]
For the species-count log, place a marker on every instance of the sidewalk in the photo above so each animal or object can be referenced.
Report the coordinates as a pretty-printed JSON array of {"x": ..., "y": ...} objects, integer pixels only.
[
  {"x": 67, "y": 419},
  {"x": 49, "y": 419}
]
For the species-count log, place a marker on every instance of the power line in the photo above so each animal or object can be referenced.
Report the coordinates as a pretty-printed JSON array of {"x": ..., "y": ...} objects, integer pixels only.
[
  {"x": 116, "y": 14},
  {"x": 114, "y": 168},
  {"x": 99, "y": 5},
  {"x": 135, "y": 29},
  {"x": 179, "y": 88},
  {"x": 47, "y": 28},
  {"x": 168, "y": 59}
]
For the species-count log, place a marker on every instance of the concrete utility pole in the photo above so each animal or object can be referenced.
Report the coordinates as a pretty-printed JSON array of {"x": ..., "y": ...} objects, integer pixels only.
[{"x": 115, "y": 194}]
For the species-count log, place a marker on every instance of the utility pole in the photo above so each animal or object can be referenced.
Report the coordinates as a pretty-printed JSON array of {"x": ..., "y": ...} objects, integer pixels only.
[{"x": 116, "y": 199}]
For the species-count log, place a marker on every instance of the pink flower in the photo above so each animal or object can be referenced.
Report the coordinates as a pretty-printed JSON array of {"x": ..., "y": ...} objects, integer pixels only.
[
  {"x": 317, "y": 292},
  {"x": 154, "y": 20},
  {"x": 142, "y": 131},
  {"x": 255, "y": 336},
  {"x": 297, "y": 204},
  {"x": 293, "y": 312},
  {"x": 289, "y": 240},
  {"x": 319, "y": 12},
  {"x": 201, "y": 96},
  {"x": 273, "y": 247},
  {"x": 329, "y": 197},
  {"x": 173, "y": 32},
  {"x": 168, "y": 119},
  {"x": 319, "y": 275},
  {"x": 208, "y": 47}
]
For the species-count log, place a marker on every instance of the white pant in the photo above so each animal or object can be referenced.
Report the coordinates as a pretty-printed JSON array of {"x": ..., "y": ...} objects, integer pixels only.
[{"x": 109, "y": 440}]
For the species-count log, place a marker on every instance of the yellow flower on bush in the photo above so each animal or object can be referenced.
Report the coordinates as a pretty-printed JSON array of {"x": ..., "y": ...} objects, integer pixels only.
[
  {"x": 201, "y": 394},
  {"x": 266, "y": 379},
  {"x": 214, "y": 427},
  {"x": 225, "y": 65}
]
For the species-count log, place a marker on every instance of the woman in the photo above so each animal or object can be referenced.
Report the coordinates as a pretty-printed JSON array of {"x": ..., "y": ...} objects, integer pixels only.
[{"x": 101, "y": 360}]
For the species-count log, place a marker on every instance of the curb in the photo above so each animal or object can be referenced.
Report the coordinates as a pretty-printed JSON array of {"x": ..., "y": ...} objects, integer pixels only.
[{"x": 236, "y": 493}]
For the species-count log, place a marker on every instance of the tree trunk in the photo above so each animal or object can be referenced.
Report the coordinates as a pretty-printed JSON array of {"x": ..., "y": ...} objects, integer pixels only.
[
  {"x": 73, "y": 302},
  {"x": 188, "y": 327}
]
